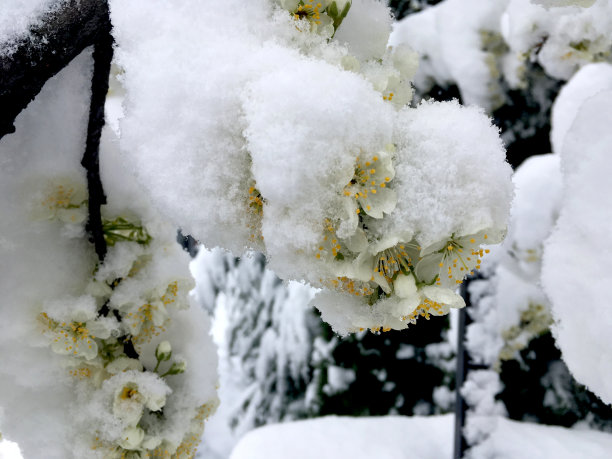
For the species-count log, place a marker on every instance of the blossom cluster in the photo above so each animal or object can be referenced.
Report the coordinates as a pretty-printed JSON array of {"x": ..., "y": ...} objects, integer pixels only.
[
  {"x": 101, "y": 359},
  {"x": 506, "y": 44},
  {"x": 313, "y": 154},
  {"x": 111, "y": 335}
]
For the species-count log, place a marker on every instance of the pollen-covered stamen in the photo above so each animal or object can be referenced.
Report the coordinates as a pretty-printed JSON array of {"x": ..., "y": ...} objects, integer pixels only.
[
  {"x": 69, "y": 337},
  {"x": 426, "y": 309},
  {"x": 60, "y": 197},
  {"x": 449, "y": 262},
  {"x": 309, "y": 11},
  {"x": 255, "y": 204},
  {"x": 393, "y": 260},
  {"x": 256, "y": 201},
  {"x": 368, "y": 187},
  {"x": 146, "y": 322},
  {"x": 351, "y": 286},
  {"x": 330, "y": 247}
]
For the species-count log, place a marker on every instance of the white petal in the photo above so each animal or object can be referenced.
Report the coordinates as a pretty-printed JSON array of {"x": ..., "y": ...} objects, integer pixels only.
[
  {"x": 429, "y": 267},
  {"x": 405, "y": 286},
  {"x": 358, "y": 242},
  {"x": 436, "y": 246},
  {"x": 350, "y": 221},
  {"x": 131, "y": 438},
  {"x": 443, "y": 296},
  {"x": 384, "y": 200}
]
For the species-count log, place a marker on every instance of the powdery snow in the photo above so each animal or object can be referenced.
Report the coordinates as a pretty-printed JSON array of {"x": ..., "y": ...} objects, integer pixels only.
[
  {"x": 333, "y": 437},
  {"x": 576, "y": 274},
  {"x": 395, "y": 437},
  {"x": 516, "y": 440},
  {"x": 587, "y": 82},
  {"x": 16, "y": 18}
]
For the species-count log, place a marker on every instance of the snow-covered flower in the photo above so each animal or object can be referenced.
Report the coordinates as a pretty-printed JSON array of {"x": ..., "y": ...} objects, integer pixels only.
[
  {"x": 435, "y": 301},
  {"x": 449, "y": 261},
  {"x": 311, "y": 17},
  {"x": 128, "y": 403},
  {"x": 136, "y": 391},
  {"x": 147, "y": 318},
  {"x": 322, "y": 16},
  {"x": 65, "y": 200},
  {"x": 73, "y": 325},
  {"x": 163, "y": 351},
  {"x": 132, "y": 438},
  {"x": 368, "y": 191}
]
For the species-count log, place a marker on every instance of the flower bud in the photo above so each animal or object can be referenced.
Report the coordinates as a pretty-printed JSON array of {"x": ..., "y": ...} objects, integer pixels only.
[
  {"x": 131, "y": 438},
  {"x": 163, "y": 351}
]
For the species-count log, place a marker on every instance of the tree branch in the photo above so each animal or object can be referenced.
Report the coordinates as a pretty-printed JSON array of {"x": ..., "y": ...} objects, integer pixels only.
[
  {"x": 48, "y": 47},
  {"x": 103, "y": 55}
]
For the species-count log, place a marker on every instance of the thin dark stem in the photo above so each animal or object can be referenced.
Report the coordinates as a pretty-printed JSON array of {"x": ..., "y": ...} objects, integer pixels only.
[
  {"x": 103, "y": 55},
  {"x": 461, "y": 374}
]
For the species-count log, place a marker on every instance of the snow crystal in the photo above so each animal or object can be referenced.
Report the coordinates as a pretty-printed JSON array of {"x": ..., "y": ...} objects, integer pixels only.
[{"x": 575, "y": 274}]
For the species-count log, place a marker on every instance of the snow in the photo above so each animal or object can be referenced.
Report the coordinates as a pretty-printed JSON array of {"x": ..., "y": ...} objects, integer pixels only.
[
  {"x": 471, "y": 192},
  {"x": 370, "y": 15},
  {"x": 575, "y": 271},
  {"x": 331, "y": 437},
  {"x": 575, "y": 36},
  {"x": 16, "y": 17},
  {"x": 452, "y": 48},
  {"x": 396, "y": 437},
  {"x": 498, "y": 43},
  {"x": 9, "y": 450},
  {"x": 511, "y": 440},
  {"x": 586, "y": 83},
  {"x": 40, "y": 261},
  {"x": 266, "y": 157},
  {"x": 56, "y": 388}
]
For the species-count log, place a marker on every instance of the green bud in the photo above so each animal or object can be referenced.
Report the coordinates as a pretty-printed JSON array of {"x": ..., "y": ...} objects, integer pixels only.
[{"x": 176, "y": 368}]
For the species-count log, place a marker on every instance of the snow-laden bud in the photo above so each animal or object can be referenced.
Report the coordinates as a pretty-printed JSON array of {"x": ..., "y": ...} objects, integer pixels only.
[
  {"x": 163, "y": 351},
  {"x": 155, "y": 402},
  {"x": 131, "y": 438}
]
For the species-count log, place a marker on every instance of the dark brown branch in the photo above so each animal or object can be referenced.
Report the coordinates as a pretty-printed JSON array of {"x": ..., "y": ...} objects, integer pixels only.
[
  {"x": 49, "y": 46},
  {"x": 103, "y": 55}
]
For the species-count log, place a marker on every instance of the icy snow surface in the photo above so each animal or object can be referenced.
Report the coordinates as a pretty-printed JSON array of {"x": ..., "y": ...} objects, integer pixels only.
[
  {"x": 576, "y": 269},
  {"x": 395, "y": 437}
]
